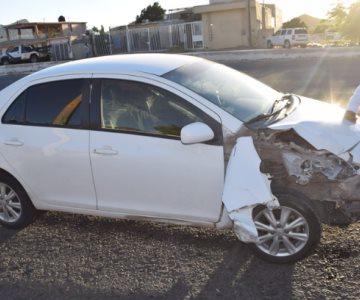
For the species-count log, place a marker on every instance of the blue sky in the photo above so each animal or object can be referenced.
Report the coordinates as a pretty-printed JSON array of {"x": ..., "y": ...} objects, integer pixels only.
[{"x": 120, "y": 12}]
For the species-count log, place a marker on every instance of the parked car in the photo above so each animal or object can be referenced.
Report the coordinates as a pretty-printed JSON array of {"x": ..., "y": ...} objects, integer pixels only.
[
  {"x": 182, "y": 140},
  {"x": 289, "y": 37},
  {"x": 24, "y": 53}
]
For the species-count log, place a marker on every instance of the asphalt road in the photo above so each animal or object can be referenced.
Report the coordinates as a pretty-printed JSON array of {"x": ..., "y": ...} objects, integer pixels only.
[
  {"x": 330, "y": 79},
  {"x": 64, "y": 256}
]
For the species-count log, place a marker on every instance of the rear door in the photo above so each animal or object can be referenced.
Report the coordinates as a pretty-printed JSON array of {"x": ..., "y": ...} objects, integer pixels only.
[
  {"x": 45, "y": 138},
  {"x": 140, "y": 166}
]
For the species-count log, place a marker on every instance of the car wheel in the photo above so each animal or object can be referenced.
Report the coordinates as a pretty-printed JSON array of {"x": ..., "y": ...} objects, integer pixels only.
[
  {"x": 288, "y": 233},
  {"x": 5, "y": 62},
  {"x": 269, "y": 45},
  {"x": 287, "y": 44},
  {"x": 16, "y": 209},
  {"x": 33, "y": 58}
]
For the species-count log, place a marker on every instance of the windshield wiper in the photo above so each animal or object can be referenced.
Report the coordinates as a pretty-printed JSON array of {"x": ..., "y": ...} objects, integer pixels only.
[{"x": 271, "y": 113}]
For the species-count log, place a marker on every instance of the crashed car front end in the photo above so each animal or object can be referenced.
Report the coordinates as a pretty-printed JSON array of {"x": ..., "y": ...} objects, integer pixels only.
[
  {"x": 291, "y": 162},
  {"x": 317, "y": 161}
]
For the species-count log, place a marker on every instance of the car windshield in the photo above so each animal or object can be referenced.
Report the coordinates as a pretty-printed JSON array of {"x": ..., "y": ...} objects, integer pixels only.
[{"x": 238, "y": 94}]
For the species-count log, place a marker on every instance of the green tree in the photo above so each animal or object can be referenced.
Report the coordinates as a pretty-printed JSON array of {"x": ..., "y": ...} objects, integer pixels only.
[
  {"x": 324, "y": 26},
  {"x": 337, "y": 16},
  {"x": 152, "y": 13},
  {"x": 351, "y": 28},
  {"x": 294, "y": 23}
]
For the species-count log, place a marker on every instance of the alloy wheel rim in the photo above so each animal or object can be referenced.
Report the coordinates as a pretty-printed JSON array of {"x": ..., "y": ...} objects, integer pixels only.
[
  {"x": 282, "y": 231},
  {"x": 10, "y": 205}
]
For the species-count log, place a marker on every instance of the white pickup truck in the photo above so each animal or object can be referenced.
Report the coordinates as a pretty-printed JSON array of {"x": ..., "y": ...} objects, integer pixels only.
[{"x": 24, "y": 53}]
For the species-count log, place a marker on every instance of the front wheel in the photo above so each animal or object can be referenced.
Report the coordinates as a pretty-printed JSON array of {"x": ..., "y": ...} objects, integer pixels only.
[
  {"x": 269, "y": 45},
  {"x": 288, "y": 233},
  {"x": 16, "y": 209}
]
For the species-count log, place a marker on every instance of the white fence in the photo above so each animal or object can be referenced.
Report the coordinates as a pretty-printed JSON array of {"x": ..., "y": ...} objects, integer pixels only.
[{"x": 158, "y": 38}]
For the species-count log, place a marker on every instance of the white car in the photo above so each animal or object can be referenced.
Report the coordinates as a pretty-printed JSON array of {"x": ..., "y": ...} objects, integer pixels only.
[
  {"x": 289, "y": 37},
  {"x": 182, "y": 140}
]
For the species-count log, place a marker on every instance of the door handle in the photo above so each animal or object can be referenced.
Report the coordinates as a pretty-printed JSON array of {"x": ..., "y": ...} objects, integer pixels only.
[
  {"x": 14, "y": 142},
  {"x": 105, "y": 151}
]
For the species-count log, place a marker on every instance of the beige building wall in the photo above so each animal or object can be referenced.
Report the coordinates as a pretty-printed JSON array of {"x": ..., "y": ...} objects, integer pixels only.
[
  {"x": 226, "y": 25},
  {"x": 73, "y": 29},
  {"x": 225, "y": 29}
]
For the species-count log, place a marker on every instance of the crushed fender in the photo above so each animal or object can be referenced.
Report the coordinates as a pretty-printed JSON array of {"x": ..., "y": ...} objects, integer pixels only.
[{"x": 245, "y": 188}]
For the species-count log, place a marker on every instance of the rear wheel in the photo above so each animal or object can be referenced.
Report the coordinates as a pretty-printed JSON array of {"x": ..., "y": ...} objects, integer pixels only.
[
  {"x": 287, "y": 44},
  {"x": 288, "y": 233},
  {"x": 5, "y": 62},
  {"x": 16, "y": 209},
  {"x": 33, "y": 58}
]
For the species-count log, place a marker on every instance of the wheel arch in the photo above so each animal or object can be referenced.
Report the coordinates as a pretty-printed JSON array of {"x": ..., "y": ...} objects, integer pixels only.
[
  {"x": 4, "y": 172},
  {"x": 317, "y": 208}
]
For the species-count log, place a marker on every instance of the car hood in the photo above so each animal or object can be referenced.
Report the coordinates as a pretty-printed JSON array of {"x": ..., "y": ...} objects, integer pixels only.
[{"x": 321, "y": 124}]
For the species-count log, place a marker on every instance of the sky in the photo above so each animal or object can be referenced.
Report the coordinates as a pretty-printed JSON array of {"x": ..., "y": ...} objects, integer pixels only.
[{"x": 121, "y": 12}]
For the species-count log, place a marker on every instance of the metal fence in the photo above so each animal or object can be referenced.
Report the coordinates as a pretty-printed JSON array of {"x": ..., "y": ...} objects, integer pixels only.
[{"x": 152, "y": 38}]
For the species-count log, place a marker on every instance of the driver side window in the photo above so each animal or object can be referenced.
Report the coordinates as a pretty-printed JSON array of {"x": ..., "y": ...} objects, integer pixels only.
[{"x": 138, "y": 107}]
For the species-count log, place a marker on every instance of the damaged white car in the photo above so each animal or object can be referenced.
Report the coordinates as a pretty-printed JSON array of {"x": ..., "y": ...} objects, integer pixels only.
[{"x": 182, "y": 140}]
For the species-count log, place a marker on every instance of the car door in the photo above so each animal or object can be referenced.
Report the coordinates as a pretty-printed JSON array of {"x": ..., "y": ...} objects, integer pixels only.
[
  {"x": 275, "y": 38},
  {"x": 140, "y": 166},
  {"x": 45, "y": 139},
  {"x": 15, "y": 54},
  {"x": 282, "y": 37}
]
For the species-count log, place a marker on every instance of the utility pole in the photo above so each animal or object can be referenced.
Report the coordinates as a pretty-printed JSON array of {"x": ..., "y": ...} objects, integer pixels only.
[
  {"x": 249, "y": 22},
  {"x": 263, "y": 15}
]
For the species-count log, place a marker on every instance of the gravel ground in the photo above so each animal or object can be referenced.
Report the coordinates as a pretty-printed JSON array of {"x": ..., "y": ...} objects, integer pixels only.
[{"x": 64, "y": 256}]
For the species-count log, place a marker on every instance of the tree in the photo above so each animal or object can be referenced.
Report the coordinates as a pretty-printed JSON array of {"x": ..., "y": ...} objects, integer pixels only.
[
  {"x": 294, "y": 23},
  {"x": 322, "y": 27},
  {"x": 337, "y": 16},
  {"x": 101, "y": 30},
  {"x": 61, "y": 19},
  {"x": 152, "y": 13},
  {"x": 351, "y": 27}
]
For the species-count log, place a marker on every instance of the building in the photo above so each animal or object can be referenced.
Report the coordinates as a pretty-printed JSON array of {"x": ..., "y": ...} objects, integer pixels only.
[
  {"x": 26, "y": 30},
  {"x": 58, "y": 35},
  {"x": 237, "y": 23}
]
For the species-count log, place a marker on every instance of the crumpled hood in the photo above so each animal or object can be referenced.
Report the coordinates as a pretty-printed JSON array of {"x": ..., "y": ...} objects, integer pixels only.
[{"x": 322, "y": 126}]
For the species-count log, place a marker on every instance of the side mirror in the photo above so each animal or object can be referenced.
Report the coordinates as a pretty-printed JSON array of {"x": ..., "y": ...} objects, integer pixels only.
[{"x": 196, "y": 133}]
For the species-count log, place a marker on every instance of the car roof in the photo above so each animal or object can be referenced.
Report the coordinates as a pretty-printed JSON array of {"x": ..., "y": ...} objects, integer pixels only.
[{"x": 156, "y": 64}]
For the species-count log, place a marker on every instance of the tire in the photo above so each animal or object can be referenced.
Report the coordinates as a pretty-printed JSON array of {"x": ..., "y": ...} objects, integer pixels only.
[
  {"x": 5, "y": 62},
  {"x": 280, "y": 243},
  {"x": 287, "y": 44},
  {"x": 16, "y": 209},
  {"x": 33, "y": 58},
  {"x": 303, "y": 46},
  {"x": 269, "y": 45}
]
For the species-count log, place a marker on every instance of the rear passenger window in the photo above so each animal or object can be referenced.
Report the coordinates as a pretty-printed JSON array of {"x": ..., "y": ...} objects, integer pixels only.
[
  {"x": 15, "y": 113},
  {"x": 49, "y": 104},
  {"x": 300, "y": 31},
  {"x": 55, "y": 103}
]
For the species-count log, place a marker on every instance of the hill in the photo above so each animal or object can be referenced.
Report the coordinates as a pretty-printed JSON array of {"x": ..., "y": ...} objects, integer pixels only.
[{"x": 310, "y": 21}]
